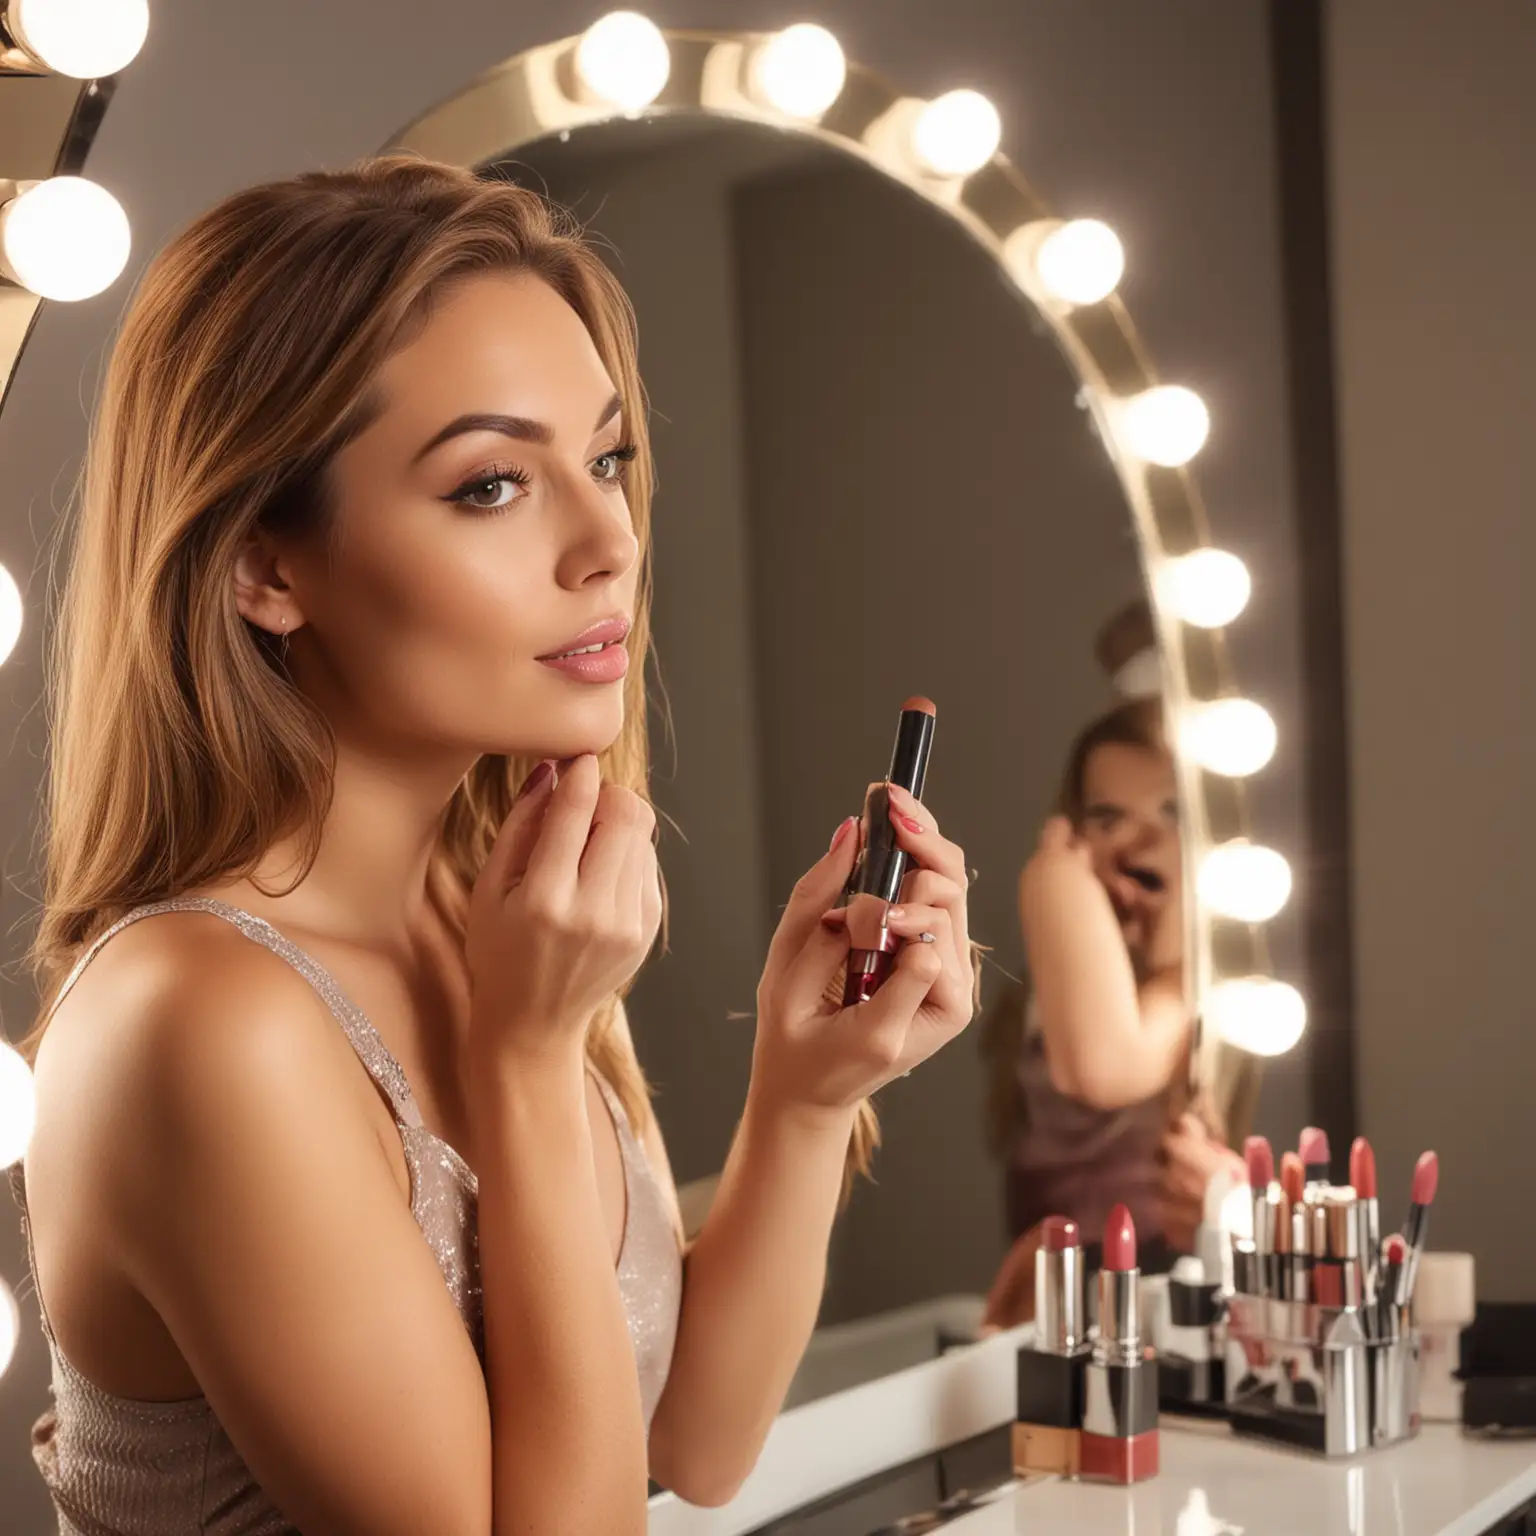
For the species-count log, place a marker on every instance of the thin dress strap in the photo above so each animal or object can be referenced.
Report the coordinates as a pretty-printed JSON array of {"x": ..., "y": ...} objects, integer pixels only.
[{"x": 375, "y": 1056}]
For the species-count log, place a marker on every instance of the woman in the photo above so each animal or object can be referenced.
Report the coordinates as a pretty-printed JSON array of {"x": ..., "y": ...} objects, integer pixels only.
[
  {"x": 1088, "y": 1071},
  {"x": 363, "y": 549}
]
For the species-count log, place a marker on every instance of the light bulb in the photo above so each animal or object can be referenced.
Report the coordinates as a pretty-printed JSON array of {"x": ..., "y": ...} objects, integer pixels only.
[
  {"x": 957, "y": 133},
  {"x": 1244, "y": 881},
  {"x": 10, "y": 1326},
  {"x": 1234, "y": 737},
  {"x": 624, "y": 59},
  {"x": 1081, "y": 262},
  {"x": 1257, "y": 1014},
  {"x": 65, "y": 238},
  {"x": 1167, "y": 425},
  {"x": 1206, "y": 588},
  {"x": 10, "y": 613},
  {"x": 85, "y": 39},
  {"x": 18, "y": 1105},
  {"x": 800, "y": 70}
]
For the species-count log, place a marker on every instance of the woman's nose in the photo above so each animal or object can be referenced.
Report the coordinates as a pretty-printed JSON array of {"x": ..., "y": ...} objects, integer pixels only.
[{"x": 600, "y": 541}]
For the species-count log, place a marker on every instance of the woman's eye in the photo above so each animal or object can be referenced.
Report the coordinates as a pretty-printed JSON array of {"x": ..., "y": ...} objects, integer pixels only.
[
  {"x": 610, "y": 466},
  {"x": 490, "y": 492}
]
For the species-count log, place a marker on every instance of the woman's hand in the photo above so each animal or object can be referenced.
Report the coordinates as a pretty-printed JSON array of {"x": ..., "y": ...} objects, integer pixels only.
[
  {"x": 809, "y": 1050},
  {"x": 563, "y": 913},
  {"x": 1188, "y": 1158},
  {"x": 1062, "y": 861}
]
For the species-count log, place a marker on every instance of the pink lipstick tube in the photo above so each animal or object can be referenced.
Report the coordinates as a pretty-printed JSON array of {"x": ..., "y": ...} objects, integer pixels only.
[{"x": 1120, "y": 1440}]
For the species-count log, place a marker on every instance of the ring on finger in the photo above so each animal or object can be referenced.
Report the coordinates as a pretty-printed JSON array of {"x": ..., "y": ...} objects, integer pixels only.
[{"x": 926, "y": 938}]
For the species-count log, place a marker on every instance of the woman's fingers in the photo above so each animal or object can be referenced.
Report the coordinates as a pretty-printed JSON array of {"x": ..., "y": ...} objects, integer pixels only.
[
  {"x": 555, "y": 858},
  {"x": 819, "y": 888},
  {"x": 918, "y": 834},
  {"x": 508, "y": 858},
  {"x": 926, "y": 887}
]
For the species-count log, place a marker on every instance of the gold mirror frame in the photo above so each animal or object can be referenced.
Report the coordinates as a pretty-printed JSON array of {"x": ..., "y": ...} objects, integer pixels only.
[{"x": 535, "y": 94}]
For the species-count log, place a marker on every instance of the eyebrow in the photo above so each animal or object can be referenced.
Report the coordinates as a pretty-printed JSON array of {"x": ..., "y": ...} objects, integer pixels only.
[{"x": 522, "y": 428}]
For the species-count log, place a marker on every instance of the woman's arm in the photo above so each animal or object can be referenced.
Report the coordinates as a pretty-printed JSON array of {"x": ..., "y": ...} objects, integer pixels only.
[
  {"x": 256, "y": 1211},
  {"x": 1108, "y": 1041},
  {"x": 755, "y": 1273}
]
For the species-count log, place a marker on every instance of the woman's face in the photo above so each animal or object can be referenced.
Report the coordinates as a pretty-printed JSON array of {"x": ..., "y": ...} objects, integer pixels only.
[
  {"x": 482, "y": 532},
  {"x": 1130, "y": 824}
]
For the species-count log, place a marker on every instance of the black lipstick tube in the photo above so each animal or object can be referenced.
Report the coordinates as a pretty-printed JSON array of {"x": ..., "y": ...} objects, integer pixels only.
[{"x": 876, "y": 881}]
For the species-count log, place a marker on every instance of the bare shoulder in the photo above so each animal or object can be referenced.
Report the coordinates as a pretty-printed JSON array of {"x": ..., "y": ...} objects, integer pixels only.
[{"x": 173, "y": 1023}]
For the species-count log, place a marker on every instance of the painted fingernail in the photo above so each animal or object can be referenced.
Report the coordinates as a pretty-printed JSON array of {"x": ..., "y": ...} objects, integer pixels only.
[
  {"x": 895, "y": 914},
  {"x": 540, "y": 772},
  {"x": 844, "y": 828},
  {"x": 911, "y": 823}
]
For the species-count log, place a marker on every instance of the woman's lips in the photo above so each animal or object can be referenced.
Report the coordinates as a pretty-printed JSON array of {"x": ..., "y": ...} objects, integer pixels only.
[
  {"x": 607, "y": 664},
  {"x": 597, "y": 654}
]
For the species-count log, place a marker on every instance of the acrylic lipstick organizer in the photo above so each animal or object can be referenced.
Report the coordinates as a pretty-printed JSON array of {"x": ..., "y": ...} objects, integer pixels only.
[{"x": 1332, "y": 1380}]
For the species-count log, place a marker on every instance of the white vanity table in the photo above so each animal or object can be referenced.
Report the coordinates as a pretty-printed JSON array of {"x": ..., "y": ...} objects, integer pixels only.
[
  {"x": 1210, "y": 1484},
  {"x": 1214, "y": 1485}
]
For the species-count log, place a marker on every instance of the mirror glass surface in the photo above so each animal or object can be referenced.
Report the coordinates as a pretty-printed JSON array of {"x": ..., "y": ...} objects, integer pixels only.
[{"x": 874, "y": 480}]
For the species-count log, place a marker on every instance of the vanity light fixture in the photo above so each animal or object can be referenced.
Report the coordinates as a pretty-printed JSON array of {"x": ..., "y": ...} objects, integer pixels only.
[
  {"x": 85, "y": 39},
  {"x": 624, "y": 60},
  {"x": 1245, "y": 881},
  {"x": 10, "y": 613},
  {"x": 799, "y": 71},
  {"x": 956, "y": 133},
  {"x": 1165, "y": 425},
  {"x": 1207, "y": 588},
  {"x": 1257, "y": 1014},
  {"x": 1232, "y": 737},
  {"x": 18, "y": 1105},
  {"x": 1080, "y": 261},
  {"x": 63, "y": 237},
  {"x": 10, "y": 1326}
]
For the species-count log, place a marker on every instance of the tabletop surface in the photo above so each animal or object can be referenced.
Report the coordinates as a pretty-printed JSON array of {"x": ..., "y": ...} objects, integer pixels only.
[{"x": 1213, "y": 1484}]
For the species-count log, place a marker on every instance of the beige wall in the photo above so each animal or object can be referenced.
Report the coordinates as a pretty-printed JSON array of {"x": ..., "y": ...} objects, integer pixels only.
[{"x": 1433, "y": 139}]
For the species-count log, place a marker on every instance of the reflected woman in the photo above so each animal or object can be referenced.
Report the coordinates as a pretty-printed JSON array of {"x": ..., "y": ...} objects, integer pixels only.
[
  {"x": 347, "y": 1209},
  {"x": 1087, "y": 1065}
]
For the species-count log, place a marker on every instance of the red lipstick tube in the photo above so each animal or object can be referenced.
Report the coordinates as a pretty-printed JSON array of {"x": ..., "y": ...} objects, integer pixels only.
[
  {"x": 1120, "y": 1443},
  {"x": 876, "y": 880},
  {"x": 1047, "y": 1430}
]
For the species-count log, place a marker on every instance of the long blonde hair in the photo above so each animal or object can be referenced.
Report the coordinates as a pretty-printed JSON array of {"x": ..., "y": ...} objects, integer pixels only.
[{"x": 179, "y": 749}]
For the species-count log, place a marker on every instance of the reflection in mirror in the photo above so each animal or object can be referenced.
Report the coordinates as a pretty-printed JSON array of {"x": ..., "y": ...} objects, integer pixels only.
[{"x": 875, "y": 479}]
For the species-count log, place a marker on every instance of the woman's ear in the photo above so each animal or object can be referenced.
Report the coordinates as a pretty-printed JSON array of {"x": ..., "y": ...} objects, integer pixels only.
[{"x": 263, "y": 592}]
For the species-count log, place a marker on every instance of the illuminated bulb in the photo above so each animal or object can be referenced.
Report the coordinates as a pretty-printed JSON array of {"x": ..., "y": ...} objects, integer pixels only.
[
  {"x": 10, "y": 1326},
  {"x": 1257, "y": 1014},
  {"x": 1206, "y": 588},
  {"x": 10, "y": 613},
  {"x": 1167, "y": 425},
  {"x": 18, "y": 1105},
  {"x": 623, "y": 58},
  {"x": 1234, "y": 737},
  {"x": 801, "y": 70},
  {"x": 1081, "y": 262},
  {"x": 85, "y": 39},
  {"x": 1244, "y": 881},
  {"x": 65, "y": 238},
  {"x": 957, "y": 133}
]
